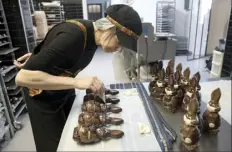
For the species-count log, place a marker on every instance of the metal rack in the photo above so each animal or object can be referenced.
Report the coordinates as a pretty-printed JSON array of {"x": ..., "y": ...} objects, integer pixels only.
[
  {"x": 73, "y": 10},
  {"x": 165, "y": 17},
  {"x": 11, "y": 96},
  {"x": 19, "y": 20},
  {"x": 54, "y": 14},
  {"x": 227, "y": 62}
]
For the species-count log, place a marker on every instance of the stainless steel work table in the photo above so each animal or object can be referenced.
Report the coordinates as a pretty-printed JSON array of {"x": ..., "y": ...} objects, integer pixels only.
[{"x": 135, "y": 142}]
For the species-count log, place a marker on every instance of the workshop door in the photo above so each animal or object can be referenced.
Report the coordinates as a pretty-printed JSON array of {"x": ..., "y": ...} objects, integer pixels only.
[{"x": 94, "y": 11}]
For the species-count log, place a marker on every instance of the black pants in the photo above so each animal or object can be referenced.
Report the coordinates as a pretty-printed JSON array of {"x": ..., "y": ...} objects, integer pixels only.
[{"x": 48, "y": 120}]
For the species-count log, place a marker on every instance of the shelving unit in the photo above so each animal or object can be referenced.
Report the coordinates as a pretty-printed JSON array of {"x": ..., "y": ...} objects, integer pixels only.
[
  {"x": 35, "y": 4},
  {"x": 73, "y": 10},
  {"x": 19, "y": 20},
  {"x": 217, "y": 63},
  {"x": 165, "y": 17},
  {"x": 54, "y": 14},
  {"x": 227, "y": 62},
  {"x": 11, "y": 96}
]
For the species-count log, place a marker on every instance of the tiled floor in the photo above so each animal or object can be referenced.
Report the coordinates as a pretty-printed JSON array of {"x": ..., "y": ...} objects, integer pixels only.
[{"x": 108, "y": 68}]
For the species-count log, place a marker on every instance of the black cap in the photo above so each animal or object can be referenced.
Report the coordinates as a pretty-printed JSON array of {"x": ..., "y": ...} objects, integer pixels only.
[{"x": 128, "y": 23}]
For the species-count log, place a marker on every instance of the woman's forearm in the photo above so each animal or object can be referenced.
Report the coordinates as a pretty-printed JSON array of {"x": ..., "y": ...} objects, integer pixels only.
[{"x": 44, "y": 81}]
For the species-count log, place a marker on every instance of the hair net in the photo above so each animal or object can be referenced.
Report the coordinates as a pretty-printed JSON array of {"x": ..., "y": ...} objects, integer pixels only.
[{"x": 103, "y": 24}]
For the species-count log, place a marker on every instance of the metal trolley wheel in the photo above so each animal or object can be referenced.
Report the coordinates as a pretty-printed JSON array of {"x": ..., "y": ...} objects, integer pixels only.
[{"x": 18, "y": 125}]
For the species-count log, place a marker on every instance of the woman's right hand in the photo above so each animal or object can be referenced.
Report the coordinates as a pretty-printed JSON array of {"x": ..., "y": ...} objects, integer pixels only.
[
  {"x": 93, "y": 83},
  {"x": 22, "y": 59}
]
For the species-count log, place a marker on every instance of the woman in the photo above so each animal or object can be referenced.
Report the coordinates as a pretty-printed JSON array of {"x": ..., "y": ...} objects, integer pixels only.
[{"x": 50, "y": 71}]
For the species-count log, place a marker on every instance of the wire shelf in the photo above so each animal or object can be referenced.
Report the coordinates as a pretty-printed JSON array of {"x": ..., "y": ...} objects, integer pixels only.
[{"x": 165, "y": 17}]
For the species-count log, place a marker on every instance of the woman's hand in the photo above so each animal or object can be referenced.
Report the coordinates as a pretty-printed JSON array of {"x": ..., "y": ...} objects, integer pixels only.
[
  {"x": 92, "y": 83},
  {"x": 22, "y": 59},
  {"x": 44, "y": 81}
]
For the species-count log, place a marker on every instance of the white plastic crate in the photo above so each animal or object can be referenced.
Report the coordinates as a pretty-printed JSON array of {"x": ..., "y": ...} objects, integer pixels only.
[
  {"x": 218, "y": 57},
  {"x": 216, "y": 69}
]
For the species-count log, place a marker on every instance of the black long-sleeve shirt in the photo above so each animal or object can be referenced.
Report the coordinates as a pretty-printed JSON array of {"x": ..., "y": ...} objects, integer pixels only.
[{"x": 63, "y": 48}]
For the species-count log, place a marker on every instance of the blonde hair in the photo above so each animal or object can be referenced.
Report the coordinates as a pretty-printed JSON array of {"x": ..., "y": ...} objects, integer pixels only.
[{"x": 106, "y": 34}]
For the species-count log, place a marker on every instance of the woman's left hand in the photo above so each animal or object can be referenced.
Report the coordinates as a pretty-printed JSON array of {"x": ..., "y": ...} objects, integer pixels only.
[{"x": 22, "y": 59}]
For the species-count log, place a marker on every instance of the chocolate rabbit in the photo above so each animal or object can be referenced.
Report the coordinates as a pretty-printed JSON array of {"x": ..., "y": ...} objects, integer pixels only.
[
  {"x": 156, "y": 69},
  {"x": 189, "y": 131},
  {"x": 171, "y": 64},
  {"x": 177, "y": 87},
  {"x": 107, "y": 91},
  {"x": 88, "y": 135},
  {"x": 169, "y": 70},
  {"x": 185, "y": 79},
  {"x": 179, "y": 67},
  {"x": 93, "y": 106},
  {"x": 97, "y": 119},
  {"x": 211, "y": 116},
  {"x": 198, "y": 77},
  {"x": 191, "y": 89},
  {"x": 169, "y": 100},
  {"x": 92, "y": 96},
  {"x": 159, "y": 90},
  {"x": 198, "y": 87}
]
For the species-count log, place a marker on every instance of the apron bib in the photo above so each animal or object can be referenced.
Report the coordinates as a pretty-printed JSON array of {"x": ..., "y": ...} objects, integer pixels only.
[{"x": 72, "y": 72}]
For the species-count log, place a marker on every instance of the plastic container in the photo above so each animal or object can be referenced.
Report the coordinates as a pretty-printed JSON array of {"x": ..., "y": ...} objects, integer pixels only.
[
  {"x": 218, "y": 57},
  {"x": 222, "y": 44},
  {"x": 216, "y": 69}
]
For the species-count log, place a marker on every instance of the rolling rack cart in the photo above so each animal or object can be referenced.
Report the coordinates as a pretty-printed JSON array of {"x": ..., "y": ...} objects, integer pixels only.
[
  {"x": 11, "y": 96},
  {"x": 73, "y": 10},
  {"x": 18, "y": 16},
  {"x": 227, "y": 62},
  {"x": 165, "y": 17},
  {"x": 54, "y": 14}
]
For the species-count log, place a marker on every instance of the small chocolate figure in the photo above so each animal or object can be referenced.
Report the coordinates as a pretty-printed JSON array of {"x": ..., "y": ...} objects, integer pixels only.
[
  {"x": 92, "y": 96},
  {"x": 98, "y": 119},
  {"x": 191, "y": 89},
  {"x": 169, "y": 70},
  {"x": 155, "y": 76},
  {"x": 189, "y": 131},
  {"x": 88, "y": 135},
  {"x": 200, "y": 122},
  {"x": 93, "y": 106},
  {"x": 179, "y": 68},
  {"x": 185, "y": 79},
  {"x": 107, "y": 92},
  {"x": 169, "y": 100},
  {"x": 159, "y": 90},
  {"x": 156, "y": 69},
  {"x": 198, "y": 78},
  {"x": 171, "y": 64},
  {"x": 211, "y": 116},
  {"x": 111, "y": 92},
  {"x": 177, "y": 87}
]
